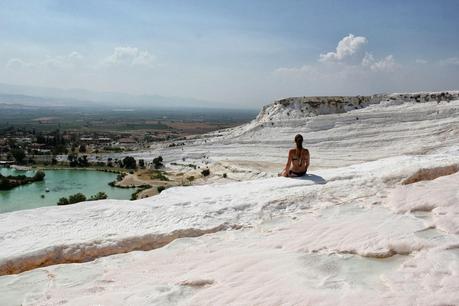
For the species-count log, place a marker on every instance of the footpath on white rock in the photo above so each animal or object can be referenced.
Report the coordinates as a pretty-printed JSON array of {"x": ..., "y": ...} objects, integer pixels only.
[{"x": 348, "y": 233}]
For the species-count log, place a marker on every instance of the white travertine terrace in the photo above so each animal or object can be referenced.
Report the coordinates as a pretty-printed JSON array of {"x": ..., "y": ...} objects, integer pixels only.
[{"x": 348, "y": 234}]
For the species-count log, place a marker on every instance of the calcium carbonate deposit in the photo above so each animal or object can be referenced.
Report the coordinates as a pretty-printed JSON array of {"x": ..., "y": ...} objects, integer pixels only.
[{"x": 348, "y": 233}]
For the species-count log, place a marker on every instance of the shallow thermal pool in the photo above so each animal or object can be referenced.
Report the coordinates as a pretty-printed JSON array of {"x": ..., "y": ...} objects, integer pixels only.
[{"x": 60, "y": 183}]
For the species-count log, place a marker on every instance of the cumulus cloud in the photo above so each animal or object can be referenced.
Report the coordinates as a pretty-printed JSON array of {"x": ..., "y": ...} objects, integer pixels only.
[
  {"x": 450, "y": 61},
  {"x": 421, "y": 61},
  {"x": 342, "y": 67},
  {"x": 130, "y": 56},
  {"x": 347, "y": 46},
  {"x": 75, "y": 55},
  {"x": 305, "y": 69},
  {"x": 63, "y": 61},
  {"x": 70, "y": 60},
  {"x": 17, "y": 63},
  {"x": 386, "y": 64}
]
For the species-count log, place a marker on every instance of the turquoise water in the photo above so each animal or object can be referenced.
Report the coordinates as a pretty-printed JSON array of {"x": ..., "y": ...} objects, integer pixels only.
[{"x": 61, "y": 183}]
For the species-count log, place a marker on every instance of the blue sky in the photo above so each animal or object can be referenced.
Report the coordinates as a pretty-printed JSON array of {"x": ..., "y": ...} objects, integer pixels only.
[{"x": 231, "y": 52}]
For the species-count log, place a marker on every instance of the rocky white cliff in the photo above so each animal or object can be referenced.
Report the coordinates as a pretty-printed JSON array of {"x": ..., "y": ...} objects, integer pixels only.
[
  {"x": 349, "y": 233},
  {"x": 391, "y": 125},
  {"x": 301, "y": 107}
]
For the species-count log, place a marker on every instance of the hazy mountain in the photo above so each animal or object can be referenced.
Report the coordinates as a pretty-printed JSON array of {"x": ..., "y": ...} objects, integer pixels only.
[{"x": 45, "y": 96}]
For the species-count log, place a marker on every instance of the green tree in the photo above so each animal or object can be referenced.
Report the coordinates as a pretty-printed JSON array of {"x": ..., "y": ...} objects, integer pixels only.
[
  {"x": 41, "y": 138},
  {"x": 63, "y": 201},
  {"x": 141, "y": 163},
  {"x": 11, "y": 141},
  {"x": 83, "y": 161},
  {"x": 98, "y": 196},
  {"x": 158, "y": 162},
  {"x": 129, "y": 162},
  {"x": 39, "y": 175},
  {"x": 77, "y": 197},
  {"x": 60, "y": 149},
  {"x": 72, "y": 158},
  {"x": 18, "y": 154}
]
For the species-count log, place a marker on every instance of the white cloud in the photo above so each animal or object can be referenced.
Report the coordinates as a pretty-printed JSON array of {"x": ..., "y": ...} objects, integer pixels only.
[
  {"x": 305, "y": 69},
  {"x": 63, "y": 61},
  {"x": 130, "y": 56},
  {"x": 56, "y": 62},
  {"x": 17, "y": 63},
  {"x": 450, "y": 61},
  {"x": 346, "y": 71},
  {"x": 387, "y": 64},
  {"x": 347, "y": 46},
  {"x": 341, "y": 70},
  {"x": 350, "y": 47},
  {"x": 75, "y": 55},
  {"x": 421, "y": 61}
]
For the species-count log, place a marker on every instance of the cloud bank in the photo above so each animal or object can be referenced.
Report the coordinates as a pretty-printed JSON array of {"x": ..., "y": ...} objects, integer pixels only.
[
  {"x": 348, "y": 59},
  {"x": 386, "y": 64}
]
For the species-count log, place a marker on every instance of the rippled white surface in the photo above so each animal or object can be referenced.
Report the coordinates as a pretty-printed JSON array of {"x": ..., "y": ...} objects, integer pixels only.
[{"x": 347, "y": 235}]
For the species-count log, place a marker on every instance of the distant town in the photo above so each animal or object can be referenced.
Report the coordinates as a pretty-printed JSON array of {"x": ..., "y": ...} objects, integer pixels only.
[
  {"x": 44, "y": 139},
  {"x": 75, "y": 137},
  {"x": 30, "y": 147}
]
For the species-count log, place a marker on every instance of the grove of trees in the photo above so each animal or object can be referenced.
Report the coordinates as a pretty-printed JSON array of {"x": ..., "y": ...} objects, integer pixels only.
[{"x": 79, "y": 197}]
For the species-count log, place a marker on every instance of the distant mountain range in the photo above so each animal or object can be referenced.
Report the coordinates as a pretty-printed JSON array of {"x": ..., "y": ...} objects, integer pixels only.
[{"x": 46, "y": 97}]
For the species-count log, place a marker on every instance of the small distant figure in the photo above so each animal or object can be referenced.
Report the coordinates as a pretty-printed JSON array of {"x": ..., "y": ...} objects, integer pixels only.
[{"x": 298, "y": 160}]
